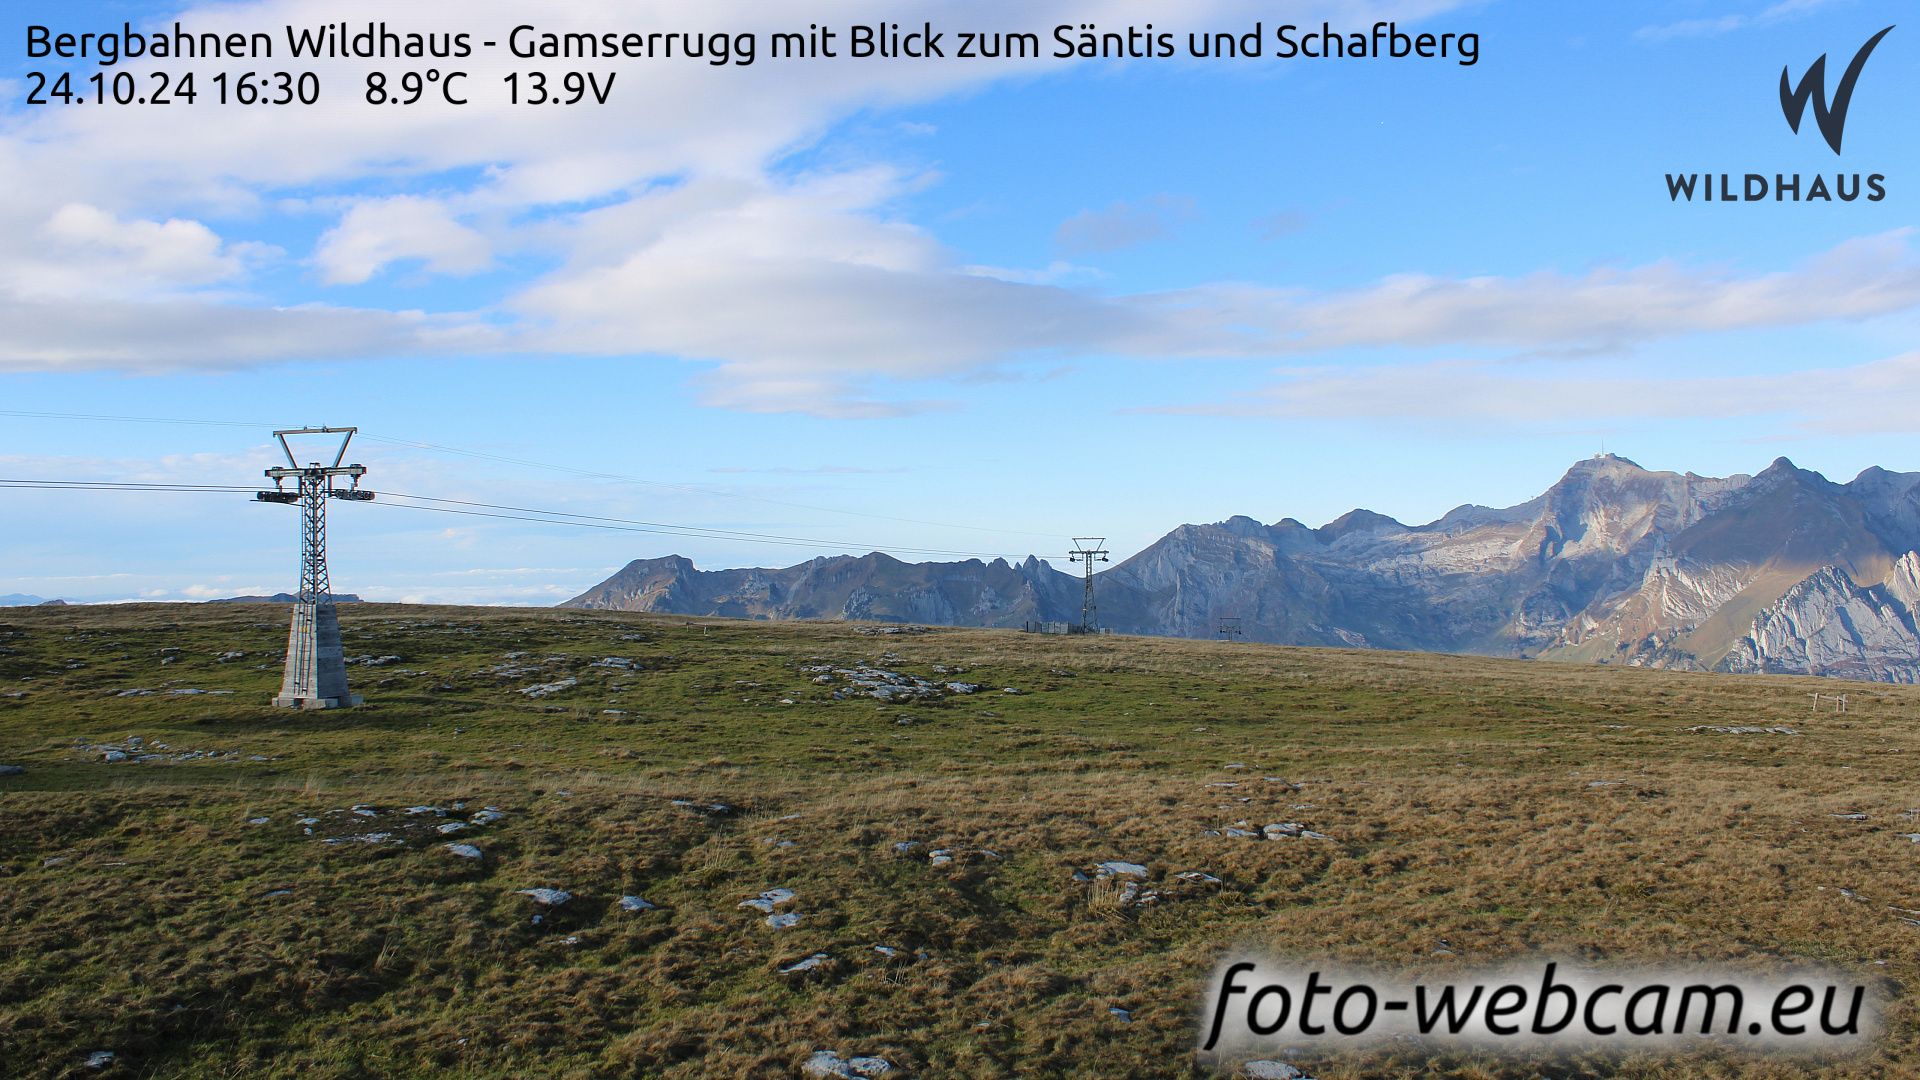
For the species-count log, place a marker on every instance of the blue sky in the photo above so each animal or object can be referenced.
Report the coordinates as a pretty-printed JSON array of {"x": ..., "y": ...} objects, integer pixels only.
[{"x": 951, "y": 306}]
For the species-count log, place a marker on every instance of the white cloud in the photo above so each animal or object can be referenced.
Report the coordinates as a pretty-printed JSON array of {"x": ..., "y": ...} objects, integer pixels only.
[
  {"x": 800, "y": 294},
  {"x": 1877, "y": 397},
  {"x": 1122, "y": 225},
  {"x": 1607, "y": 307},
  {"x": 378, "y": 232},
  {"x": 169, "y": 253},
  {"x": 76, "y": 249},
  {"x": 199, "y": 334},
  {"x": 1723, "y": 24}
]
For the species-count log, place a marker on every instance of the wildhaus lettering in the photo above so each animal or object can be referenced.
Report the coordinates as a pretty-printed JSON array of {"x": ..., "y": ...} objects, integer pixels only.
[
  {"x": 1829, "y": 115},
  {"x": 1780, "y": 187}
]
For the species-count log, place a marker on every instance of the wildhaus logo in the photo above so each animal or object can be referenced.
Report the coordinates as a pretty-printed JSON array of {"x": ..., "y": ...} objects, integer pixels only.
[{"x": 1829, "y": 115}]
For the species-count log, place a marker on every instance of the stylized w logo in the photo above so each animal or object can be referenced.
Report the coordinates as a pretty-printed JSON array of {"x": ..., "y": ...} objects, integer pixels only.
[{"x": 1832, "y": 119}]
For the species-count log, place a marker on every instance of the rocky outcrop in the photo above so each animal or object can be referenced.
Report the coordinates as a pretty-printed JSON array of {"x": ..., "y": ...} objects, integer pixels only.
[{"x": 1829, "y": 625}]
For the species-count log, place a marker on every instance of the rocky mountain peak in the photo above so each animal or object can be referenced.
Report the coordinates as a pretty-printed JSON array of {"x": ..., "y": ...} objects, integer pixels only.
[
  {"x": 1783, "y": 472},
  {"x": 1903, "y": 581},
  {"x": 1359, "y": 523},
  {"x": 1606, "y": 463}
]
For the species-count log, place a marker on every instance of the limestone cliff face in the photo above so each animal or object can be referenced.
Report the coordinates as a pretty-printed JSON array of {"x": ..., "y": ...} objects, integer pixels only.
[
  {"x": 1613, "y": 564},
  {"x": 1829, "y": 625}
]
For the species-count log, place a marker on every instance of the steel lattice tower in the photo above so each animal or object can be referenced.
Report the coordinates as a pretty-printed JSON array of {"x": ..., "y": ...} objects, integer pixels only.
[
  {"x": 316, "y": 675},
  {"x": 1087, "y": 549}
]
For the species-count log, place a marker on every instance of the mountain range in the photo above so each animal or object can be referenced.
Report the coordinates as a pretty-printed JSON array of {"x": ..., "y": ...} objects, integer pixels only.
[{"x": 1784, "y": 571}]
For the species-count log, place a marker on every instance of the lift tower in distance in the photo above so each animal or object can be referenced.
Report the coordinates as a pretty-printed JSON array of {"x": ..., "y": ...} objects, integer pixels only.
[
  {"x": 316, "y": 667},
  {"x": 1087, "y": 549}
]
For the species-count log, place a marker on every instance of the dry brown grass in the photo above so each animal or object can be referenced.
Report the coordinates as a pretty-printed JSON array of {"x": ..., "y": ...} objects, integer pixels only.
[{"x": 1457, "y": 792}]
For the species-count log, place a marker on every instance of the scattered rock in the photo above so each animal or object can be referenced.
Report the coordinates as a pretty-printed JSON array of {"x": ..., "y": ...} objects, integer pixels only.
[
  {"x": 1291, "y": 830},
  {"x": 1742, "y": 729},
  {"x": 468, "y": 851},
  {"x": 635, "y": 903},
  {"x": 549, "y": 689},
  {"x": 1128, "y": 869},
  {"x": 373, "y": 661},
  {"x": 1855, "y": 816},
  {"x": 783, "y": 920},
  {"x": 1272, "y": 1070},
  {"x": 259, "y": 821},
  {"x": 1125, "y": 1016},
  {"x": 547, "y": 897},
  {"x": 827, "y": 1064},
  {"x": 100, "y": 1059},
  {"x": 486, "y": 817},
  {"x": 811, "y": 963},
  {"x": 949, "y": 856},
  {"x": 882, "y": 684},
  {"x": 450, "y": 828},
  {"x": 1198, "y": 878},
  {"x": 12, "y": 770},
  {"x": 769, "y": 900}
]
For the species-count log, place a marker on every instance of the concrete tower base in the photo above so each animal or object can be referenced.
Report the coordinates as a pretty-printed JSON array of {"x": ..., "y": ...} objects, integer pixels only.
[{"x": 316, "y": 665}]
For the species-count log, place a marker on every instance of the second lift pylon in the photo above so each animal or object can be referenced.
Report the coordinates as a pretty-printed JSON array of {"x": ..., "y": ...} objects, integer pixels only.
[{"x": 1088, "y": 550}]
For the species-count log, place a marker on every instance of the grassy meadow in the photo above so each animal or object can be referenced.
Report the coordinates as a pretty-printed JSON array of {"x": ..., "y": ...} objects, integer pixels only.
[{"x": 187, "y": 914}]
